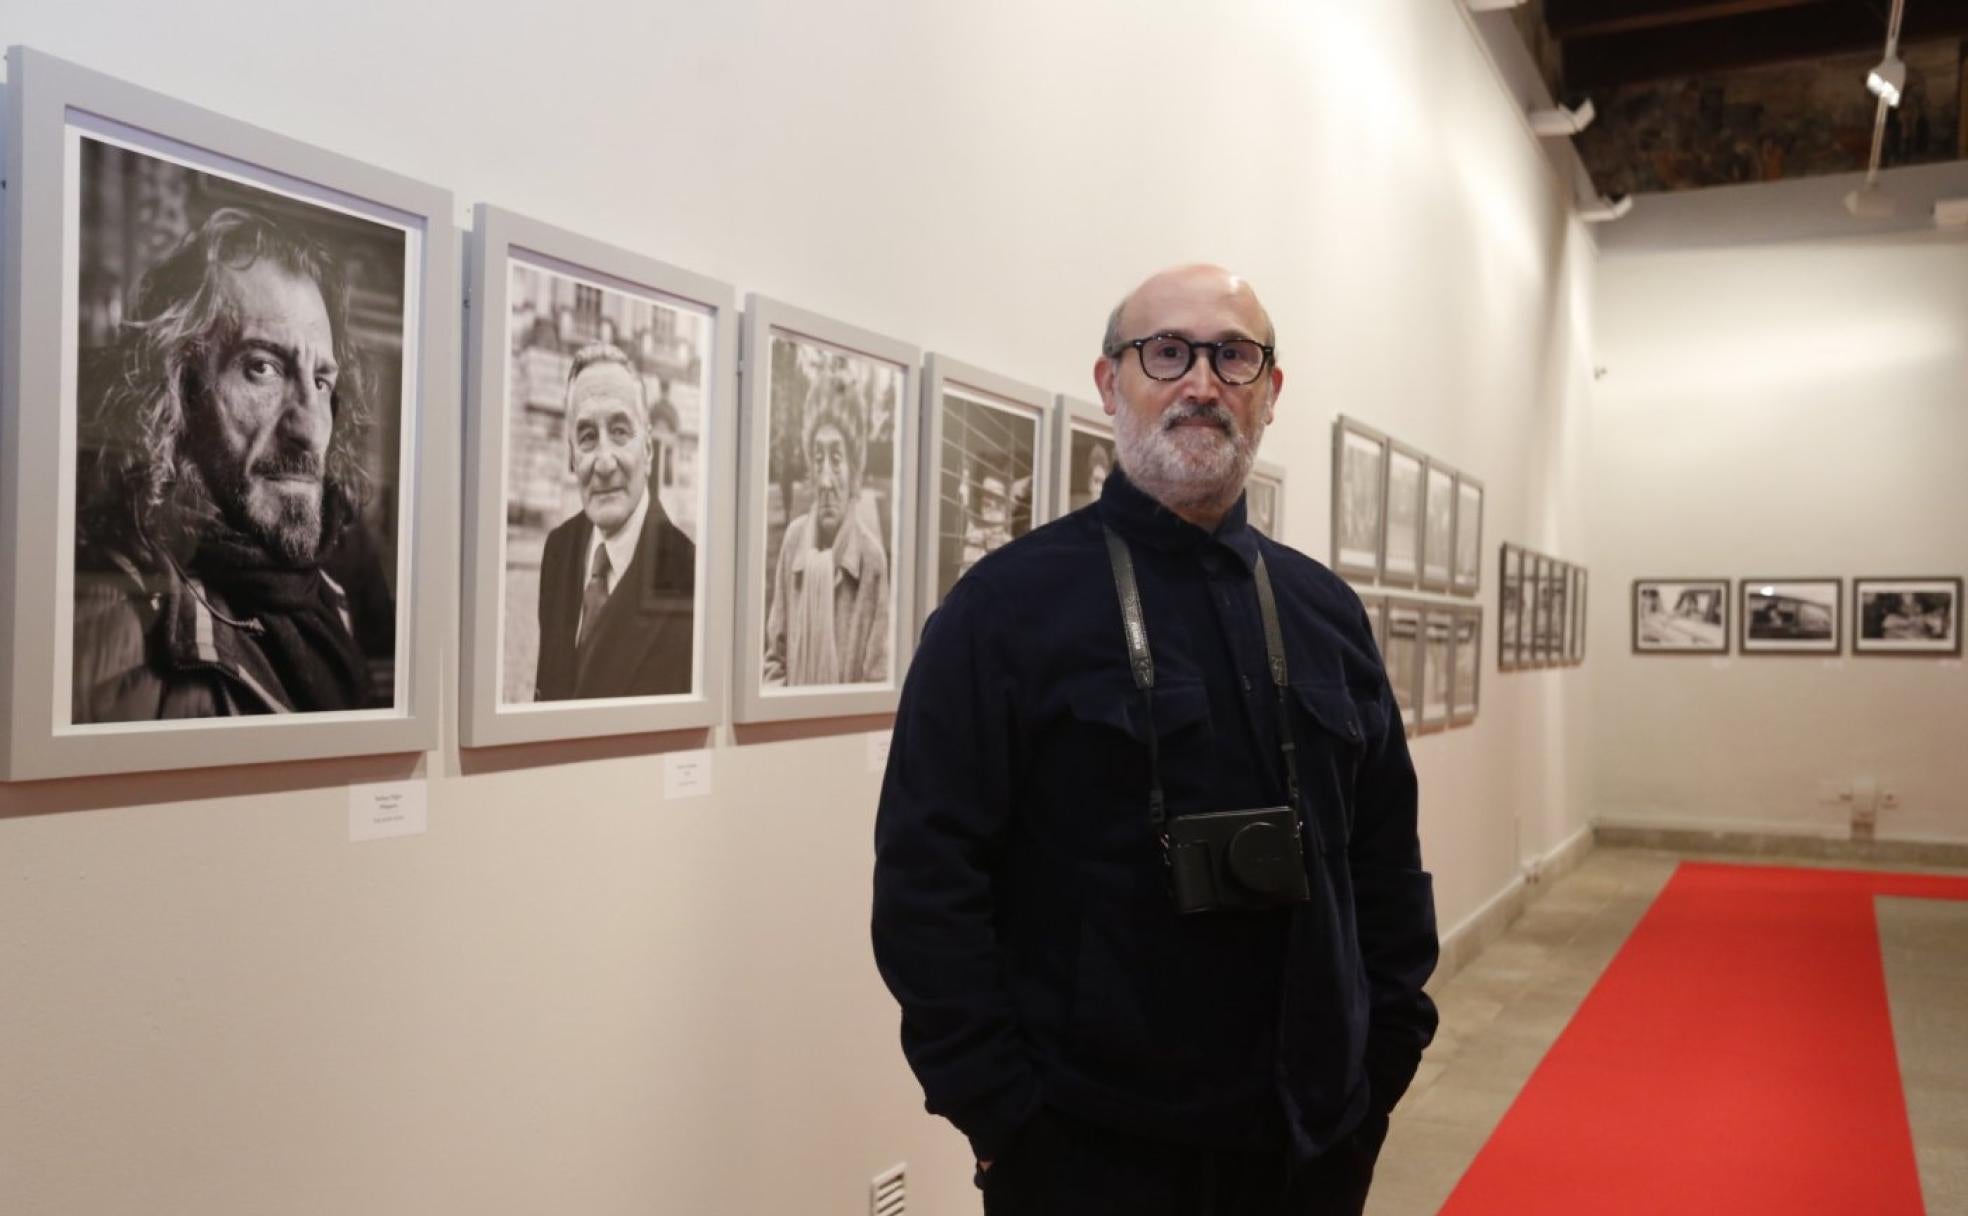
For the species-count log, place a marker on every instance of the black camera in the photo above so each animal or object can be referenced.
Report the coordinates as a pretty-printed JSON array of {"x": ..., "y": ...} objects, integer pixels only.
[{"x": 1236, "y": 859}]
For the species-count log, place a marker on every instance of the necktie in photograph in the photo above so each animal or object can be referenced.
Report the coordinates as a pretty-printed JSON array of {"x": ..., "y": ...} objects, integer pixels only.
[{"x": 596, "y": 596}]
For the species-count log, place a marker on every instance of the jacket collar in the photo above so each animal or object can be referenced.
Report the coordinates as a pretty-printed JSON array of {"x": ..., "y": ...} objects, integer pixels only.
[{"x": 1143, "y": 520}]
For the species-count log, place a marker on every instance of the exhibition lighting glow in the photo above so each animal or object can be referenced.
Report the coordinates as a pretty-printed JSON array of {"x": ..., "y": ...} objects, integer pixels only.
[{"x": 1888, "y": 80}]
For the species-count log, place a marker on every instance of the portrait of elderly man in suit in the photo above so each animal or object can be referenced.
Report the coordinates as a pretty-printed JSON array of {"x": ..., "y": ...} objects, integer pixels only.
[
  {"x": 829, "y": 615},
  {"x": 618, "y": 580}
]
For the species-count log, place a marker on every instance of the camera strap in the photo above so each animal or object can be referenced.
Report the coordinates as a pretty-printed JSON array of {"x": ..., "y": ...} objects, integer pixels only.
[{"x": 1142, "y": 664}]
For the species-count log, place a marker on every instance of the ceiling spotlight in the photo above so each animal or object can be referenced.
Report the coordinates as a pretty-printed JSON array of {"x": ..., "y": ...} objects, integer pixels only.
[
  {"x": 1604, "y": 208},
  {"x": 1870, "y": 203},
  {"x": 1562, "y": 121},
  {"x": 1887, "y": 80}
]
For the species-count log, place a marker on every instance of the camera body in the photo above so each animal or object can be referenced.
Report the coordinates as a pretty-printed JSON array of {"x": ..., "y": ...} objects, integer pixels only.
[{"x": 1236, "y": 860}]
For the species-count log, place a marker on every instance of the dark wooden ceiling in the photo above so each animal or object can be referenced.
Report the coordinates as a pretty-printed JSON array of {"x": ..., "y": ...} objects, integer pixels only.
[{"x": 1608, "y": 43}]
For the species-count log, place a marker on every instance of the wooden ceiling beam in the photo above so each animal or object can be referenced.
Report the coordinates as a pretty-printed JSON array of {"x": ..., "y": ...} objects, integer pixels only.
[
  {"x": 1595, "y": 18},
  {"x": 1752, "y": 40}
]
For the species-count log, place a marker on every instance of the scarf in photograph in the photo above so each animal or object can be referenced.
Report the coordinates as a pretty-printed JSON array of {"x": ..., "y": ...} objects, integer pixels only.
[
  {"x": 302, "y": 633},
  {"x": 812, "y": 654}
]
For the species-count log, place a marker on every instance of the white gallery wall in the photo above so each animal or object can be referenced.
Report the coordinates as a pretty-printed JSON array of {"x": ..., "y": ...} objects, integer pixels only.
[
  {"x": 1789, "y": 410},
  {"x": 571, "y": 994}
]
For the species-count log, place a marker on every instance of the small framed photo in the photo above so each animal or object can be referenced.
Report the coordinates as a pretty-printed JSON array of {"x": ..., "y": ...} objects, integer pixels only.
[
  {"x": 1439, "y": 527},
  {"x": 1466, "y": 682},
  {"x": 1468, "y": 575},
  {"x": 1359, "y": 510},
  {"x": 1085, "y": 449},
  {"x": 1510, "y": 605},
  {"x": 1402, "y": 652},
  {"x": 986, "y": 461},
  {"x": 229, "y": 400},
  {"x": 1906, "y": 616},
  {"x": 1437, "y": 667},
  {"x": 1376, "y": 607},
  {"x": 601, "y": 462},
  {"x": 1578, "y": 611},
  {"x": 1680, "y": 616},
  {"x": 1791, "y": 615},
  {"x": 1574, "y": 621},
  {"x": 826, "y": 522},
  {"x": 1264, "y": 498},
  {"x": 1561, "y": 620},
  {"x": 1537, "y": 586},
  {"x": 1401, "y": 553}
]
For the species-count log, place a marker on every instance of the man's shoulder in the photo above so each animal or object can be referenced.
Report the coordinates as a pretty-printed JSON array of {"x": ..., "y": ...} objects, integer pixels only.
[{"x": 1050, "y": 550}]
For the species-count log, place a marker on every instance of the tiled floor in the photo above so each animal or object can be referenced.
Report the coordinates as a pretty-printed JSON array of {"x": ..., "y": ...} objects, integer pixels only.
[{"x": 1502, "y": 1011}]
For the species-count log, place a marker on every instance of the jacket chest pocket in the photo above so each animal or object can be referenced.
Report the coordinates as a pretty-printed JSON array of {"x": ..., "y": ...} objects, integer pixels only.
[
  {"x": 1330, "y": 728},
  {"x": 1106, "y": 756}
]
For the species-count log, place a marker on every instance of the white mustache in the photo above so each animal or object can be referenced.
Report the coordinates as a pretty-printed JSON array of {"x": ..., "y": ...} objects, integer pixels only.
[{"x": 1222, "y": 418}]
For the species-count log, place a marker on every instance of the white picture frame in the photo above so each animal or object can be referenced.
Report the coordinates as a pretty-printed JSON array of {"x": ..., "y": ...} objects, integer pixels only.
[
  {"x": 1438, "y": 530},
  {"x": 1264, "y": 499},
  {"x": 1467, "y": 577},
  {"x": 1407, "y": 471},
  {"x": 1360, "y": 494},
  {"x": 1085, "y": 453}
]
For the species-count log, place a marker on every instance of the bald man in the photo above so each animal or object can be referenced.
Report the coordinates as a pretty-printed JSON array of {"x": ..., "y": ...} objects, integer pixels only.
[{"x": 1147, "y": 883}]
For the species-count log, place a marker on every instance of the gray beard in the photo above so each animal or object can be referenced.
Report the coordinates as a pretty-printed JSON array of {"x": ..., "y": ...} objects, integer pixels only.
[
  {"x": 1194, "y": 469},
  {"x": 292, "y": 536}
]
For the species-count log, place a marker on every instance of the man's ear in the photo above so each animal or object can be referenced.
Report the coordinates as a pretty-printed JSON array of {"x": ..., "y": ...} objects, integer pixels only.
[
  {"x": 1104, "y": 371},
  {"x": 1277, "y": 387}
]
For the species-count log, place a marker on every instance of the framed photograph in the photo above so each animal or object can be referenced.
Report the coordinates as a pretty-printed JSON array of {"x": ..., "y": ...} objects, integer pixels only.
[
  {"x": 1510, "y": 605},
  {"x": 1560, "y": 574},
  {"x": 986, "y": 461},
  {"x": 1791, "y": 615},
  {"x": 1401, "y": 554},
  {"x": 1438, "y": 527},
  {"x": 1264, "y": 498},
  {"x": 1085, "y": 452},
  {"x": 1537, "y": 633},
  {"x": 1466, "y": 682},
  {"x": 1680, "y": 616},
  {"x": 1906, "y": 616},
  {"x": 1467, "y": 578},
  {"x": 1437, "y": 667},
  {"x": 229, "y": 439},
  {"x": 1376, "y": 606},
  {"x": 1359, "y": 509},
  {"x": 1573, "y": 578},
  {"x": 1582, "y": 631},
  {"x": 603, "y": 458},
  {"x": 1401, "y": 650},
  {"x": 826, "y": 516}
]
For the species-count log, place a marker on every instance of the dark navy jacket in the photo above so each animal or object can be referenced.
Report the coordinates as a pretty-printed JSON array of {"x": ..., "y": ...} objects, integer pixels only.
[{"x": 1021, "y": 908}]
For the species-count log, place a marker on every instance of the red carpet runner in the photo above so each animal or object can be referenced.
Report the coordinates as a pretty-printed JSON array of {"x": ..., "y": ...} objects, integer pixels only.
[{"x": 1736, "y": 1058}]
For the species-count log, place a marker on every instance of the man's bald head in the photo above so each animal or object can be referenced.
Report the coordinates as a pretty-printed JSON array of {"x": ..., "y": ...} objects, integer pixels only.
[{"x": 1192, "y": 279}]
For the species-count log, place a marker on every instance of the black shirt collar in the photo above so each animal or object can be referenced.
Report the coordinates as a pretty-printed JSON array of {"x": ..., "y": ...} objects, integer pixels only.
[{"x": 1143, "y": 520}]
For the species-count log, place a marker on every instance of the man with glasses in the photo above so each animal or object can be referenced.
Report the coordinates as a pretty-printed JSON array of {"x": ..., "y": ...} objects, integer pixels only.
[{"x": 1147, "y": 884}]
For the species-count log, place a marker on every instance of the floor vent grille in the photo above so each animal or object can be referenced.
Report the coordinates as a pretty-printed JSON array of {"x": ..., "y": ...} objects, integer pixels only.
[{"x": 888, "y": 1195}]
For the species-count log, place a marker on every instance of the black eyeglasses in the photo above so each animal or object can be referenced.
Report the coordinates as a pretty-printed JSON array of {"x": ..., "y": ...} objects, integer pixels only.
[{"x": 1170, "y": 356}]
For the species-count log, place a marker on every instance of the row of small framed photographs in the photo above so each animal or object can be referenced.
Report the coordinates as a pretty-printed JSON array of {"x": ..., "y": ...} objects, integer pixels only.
[
  {"x": 1433, "y": 652},
  {"x": 1918, "y": 617},
  {"x": 259, "y": 563},
  {"x": 1401, "y": 518},
  {"x": 1541, "y": 611}
]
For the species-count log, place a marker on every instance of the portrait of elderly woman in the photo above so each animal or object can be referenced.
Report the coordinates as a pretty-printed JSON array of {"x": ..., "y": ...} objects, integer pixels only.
[
  {"x": 239, "y": 380},
  {"x": 830, "y": 607}
]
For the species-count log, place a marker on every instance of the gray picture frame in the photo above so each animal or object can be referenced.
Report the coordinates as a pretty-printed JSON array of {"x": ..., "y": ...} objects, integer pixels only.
[
  {"x": 1438, "y": 477},
  {"x": 1789, "y": 589},
  {"x": 47, "y": 98},
  {"x": 1510, "y": 606},
  {"x": 1351, "y": 435},
  {"x": 1076, "y": 415},
  {"x": 1402, "y": 657},
  {"x": 1466, "y": 565},
  {"x": 1409, "y": 531},
  {"x": 499, "y": 238},
  {"x": 940, "y": 374},
  {"x": 764, "y": 318},
  {"x": 1437, "y": 631},
  {"x": 1651, "y": 590},
  {"x": 1947, "y": 646},
  {"x": 1269, "y": 477},
  {"x": 1465, "y": 696}
]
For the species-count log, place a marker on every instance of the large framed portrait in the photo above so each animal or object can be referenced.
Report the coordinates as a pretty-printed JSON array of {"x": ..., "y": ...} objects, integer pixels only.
[
  {"x": 826, "y": 518},
  {"x": 229, "y": 438},
  {"x": 1359, "y": 508},
  {"x": 1264, "y": 498},
  {"x": 1510, "y": 604},
  {"x": 1401, "y": 651},
  {"x": 1401, "y": 555},
  {"x": 602, "y": 459},
  {"x": 1906, "y": 616},
  {"x": 1085, "y": 450},
  {"x": 1465, "y": 682},
  {"x": 986, "y": 461},
  {"x": 1438, "y": 526},
  {"x": 1680, "y": 616},
  {"x": 1790, "y": 615},
  {"x": 1437, "y": 667},
  {"x": 1467, "y": 576}
]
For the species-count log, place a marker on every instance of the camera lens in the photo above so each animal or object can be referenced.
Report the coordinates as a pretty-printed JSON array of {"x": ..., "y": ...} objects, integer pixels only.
[{"x": 1264, "y": 858}]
